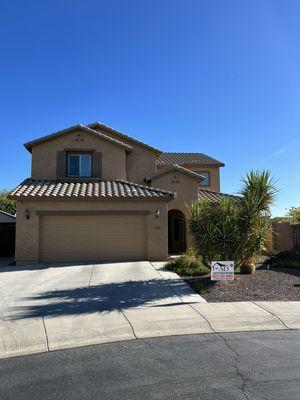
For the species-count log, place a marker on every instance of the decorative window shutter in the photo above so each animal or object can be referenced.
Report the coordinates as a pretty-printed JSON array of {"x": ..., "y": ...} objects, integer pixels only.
[
  {"x": 97, "y": 165},
  {"x": 60, "y": 164}
]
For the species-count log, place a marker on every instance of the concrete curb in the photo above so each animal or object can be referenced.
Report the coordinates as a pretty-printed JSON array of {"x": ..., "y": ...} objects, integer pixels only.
[{"x": 21, "y": 337}]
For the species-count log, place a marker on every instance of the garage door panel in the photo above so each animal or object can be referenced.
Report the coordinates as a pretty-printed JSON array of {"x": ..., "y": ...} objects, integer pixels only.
[{"x": 83, "y": 238}]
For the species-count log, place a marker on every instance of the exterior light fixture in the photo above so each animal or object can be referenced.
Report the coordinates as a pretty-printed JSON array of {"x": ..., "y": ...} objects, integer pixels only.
[
  {"x": 157, "y": 213},
  {"x": 27, "y": 213}
]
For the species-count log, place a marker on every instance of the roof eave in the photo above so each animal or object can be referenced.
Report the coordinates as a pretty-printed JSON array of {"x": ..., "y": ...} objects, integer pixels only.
[
  {"x": 163, "y": 195},
  {"x": 108, "y": 128},
  {"x": 86, "y": 198},
  {"x": 219, "y": 164},
  {"x": 191, "y": 174},
  {"x": 28, "y": 145},
  {"x": 218, "y": 195}
]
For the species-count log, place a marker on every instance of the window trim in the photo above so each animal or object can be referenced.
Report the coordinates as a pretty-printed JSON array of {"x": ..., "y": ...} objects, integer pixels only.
[{"x": 79, "y": 153}]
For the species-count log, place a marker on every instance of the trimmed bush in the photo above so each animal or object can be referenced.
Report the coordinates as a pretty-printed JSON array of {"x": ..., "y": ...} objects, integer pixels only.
[
  {"x": 247, "y": 269},
  {"x": 188, "y": 264}
]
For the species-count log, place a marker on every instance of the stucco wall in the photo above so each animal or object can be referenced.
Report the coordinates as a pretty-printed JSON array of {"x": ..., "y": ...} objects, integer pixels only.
[
  {"x": 27, "y": 231},
  {"x": 214, "y": 174},
  {"x": 186, "y": 188},
  {"x": 140, "y": 163},
  {"x": 44, "y": 155}
]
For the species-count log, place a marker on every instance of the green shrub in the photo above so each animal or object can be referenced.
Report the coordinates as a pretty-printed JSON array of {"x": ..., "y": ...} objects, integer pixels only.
[
  {"x": 235, "y": 228},
  {"x": 200, "y": 287},
  {"x": 287, "y": 264},
  {"x": 247, "y": 269},
  {"x": 6, "y": 204},
  {"x": 285, "y": 259},
  {"x": 188, "y": 264}
]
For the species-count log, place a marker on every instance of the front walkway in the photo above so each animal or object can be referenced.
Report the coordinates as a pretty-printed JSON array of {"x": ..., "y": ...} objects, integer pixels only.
[{"x": 49, "y": 307}]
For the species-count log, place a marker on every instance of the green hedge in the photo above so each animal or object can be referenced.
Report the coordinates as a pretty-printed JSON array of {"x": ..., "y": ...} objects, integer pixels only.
[{"x": 188, "y": 265}]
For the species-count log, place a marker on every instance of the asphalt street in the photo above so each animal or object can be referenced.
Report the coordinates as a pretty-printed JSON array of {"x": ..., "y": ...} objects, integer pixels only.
[{"x": 228, "y": 366}]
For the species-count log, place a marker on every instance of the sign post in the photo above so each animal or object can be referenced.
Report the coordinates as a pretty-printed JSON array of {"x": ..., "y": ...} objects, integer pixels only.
[{"x": 222, "y": 270}]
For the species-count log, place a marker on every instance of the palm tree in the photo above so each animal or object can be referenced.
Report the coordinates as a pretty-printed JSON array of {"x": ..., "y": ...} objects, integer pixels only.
[{"x": 235, "y": 228}]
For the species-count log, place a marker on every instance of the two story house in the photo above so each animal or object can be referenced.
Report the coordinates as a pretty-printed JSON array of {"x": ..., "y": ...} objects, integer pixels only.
[{"x": 98, "y": 194}]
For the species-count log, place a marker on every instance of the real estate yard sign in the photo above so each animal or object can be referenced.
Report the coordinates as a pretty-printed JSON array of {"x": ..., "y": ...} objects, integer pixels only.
[{"x": 222, "y": 270}]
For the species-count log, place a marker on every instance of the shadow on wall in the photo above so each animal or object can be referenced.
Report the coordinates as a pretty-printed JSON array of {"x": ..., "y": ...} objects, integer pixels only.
[{"x": 100, "y": 298}]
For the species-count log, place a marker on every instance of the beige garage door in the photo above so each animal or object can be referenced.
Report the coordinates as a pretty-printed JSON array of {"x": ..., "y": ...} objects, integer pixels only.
[{"x": 88, "y": 238}]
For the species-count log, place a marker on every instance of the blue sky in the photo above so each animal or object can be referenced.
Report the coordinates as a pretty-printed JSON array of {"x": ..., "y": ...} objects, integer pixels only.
[{"x": 219, "y": 77}]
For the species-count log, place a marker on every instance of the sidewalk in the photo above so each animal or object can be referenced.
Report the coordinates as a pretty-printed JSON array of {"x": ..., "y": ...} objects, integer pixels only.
[{"x": 35, "y": 335}]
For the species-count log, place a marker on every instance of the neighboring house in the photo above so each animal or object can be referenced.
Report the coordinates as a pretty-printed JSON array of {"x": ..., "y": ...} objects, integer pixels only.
[
  {"x": 98, "y": 194},
  {"x": 7, "y": 234}
]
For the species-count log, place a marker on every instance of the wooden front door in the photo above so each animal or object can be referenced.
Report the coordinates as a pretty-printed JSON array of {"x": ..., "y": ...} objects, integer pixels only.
[{"x": 176, "y": 232}]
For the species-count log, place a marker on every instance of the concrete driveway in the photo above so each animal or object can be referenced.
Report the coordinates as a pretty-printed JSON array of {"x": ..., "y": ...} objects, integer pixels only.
[{"x": 49, "y": 307}]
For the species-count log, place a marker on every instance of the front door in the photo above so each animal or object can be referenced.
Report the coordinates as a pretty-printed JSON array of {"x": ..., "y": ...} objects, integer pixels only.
[{"x": 176, "y": 232}]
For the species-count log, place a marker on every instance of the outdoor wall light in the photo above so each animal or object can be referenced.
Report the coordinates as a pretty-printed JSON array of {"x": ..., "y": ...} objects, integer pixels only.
[
  {"x": 27, "y": 213},
  {"x": 157, "y": 213}
]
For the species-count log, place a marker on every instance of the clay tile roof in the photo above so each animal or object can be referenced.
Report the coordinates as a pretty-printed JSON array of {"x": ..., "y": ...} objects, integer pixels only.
[
  {"x": 50, "y": 136},
  {"x": 187, "y": 158},
  {"x": 123, "y": 135},
  {"x": 117, "y": 189},
  {"x": 214, "y": 196},
  {"x": 179, "y": 169}
]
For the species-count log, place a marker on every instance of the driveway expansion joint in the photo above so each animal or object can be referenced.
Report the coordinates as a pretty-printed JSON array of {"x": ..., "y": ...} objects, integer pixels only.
[
  {"x": 130, "y": 324},
  {"x": 92, "y": 271},
  {"x": 46, "y": 335},
  {"x": 162, "y": 277},
  {"x": 274, "y": 315},
  {"x": 206, "y": 319},
  {"x": 156, "y": 270}
]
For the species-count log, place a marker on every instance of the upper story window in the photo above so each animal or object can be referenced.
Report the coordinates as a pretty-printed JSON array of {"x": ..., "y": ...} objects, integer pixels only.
[
  {"x": 206, "y": 175},
  {"x": 79, "y": 165}
]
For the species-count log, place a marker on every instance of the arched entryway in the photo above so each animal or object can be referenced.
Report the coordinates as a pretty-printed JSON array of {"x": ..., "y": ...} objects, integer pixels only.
[{"x": 176, "y": 232}]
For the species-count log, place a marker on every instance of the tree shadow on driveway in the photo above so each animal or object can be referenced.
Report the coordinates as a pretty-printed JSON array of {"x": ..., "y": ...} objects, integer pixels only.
[{"x": 101, "y": 298}]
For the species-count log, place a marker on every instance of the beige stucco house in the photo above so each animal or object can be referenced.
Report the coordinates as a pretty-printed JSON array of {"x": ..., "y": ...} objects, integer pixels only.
[{"x": 98, "y": 194}]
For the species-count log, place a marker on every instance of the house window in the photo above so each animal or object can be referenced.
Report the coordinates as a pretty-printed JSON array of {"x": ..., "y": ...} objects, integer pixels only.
[
  {"x": 79, "y": 165},
  {"x": 206, "y": 175}
]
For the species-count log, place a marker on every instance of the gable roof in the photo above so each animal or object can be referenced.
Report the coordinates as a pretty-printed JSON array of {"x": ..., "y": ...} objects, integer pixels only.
[
  {"x": 214, "y": 196},
  {"x": 127, "y": 137},
  {"x": 54, "y": 135},
  {"x": 177, "y": 168},
  {"x": 187, "y": 158},
  {"x": 6, "y": 218},
  {"x": 105, "y": 189}
]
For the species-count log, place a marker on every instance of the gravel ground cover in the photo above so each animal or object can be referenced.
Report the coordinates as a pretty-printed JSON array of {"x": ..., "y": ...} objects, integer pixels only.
[{"x": 274, "y": 284}]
